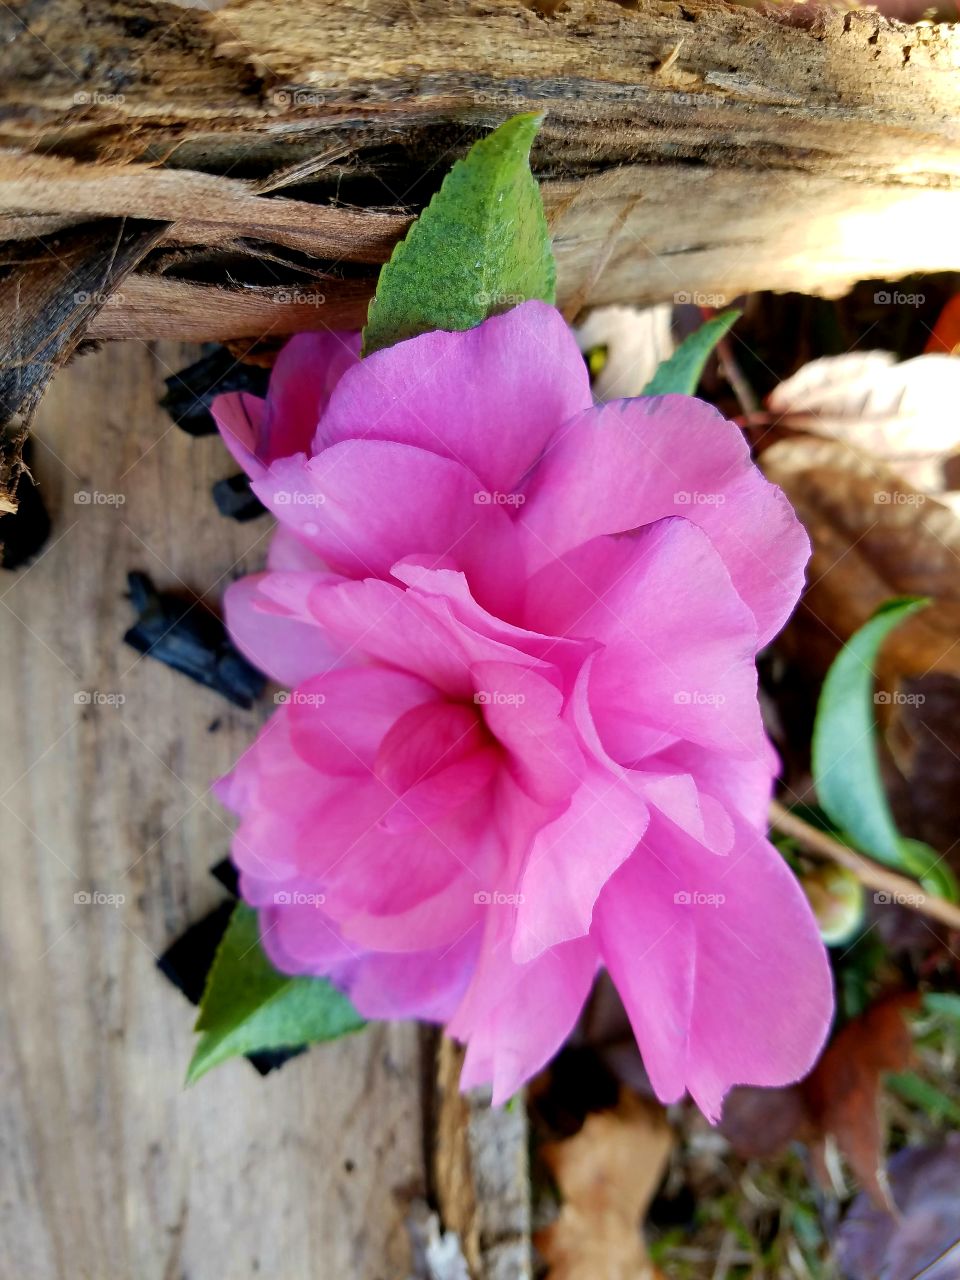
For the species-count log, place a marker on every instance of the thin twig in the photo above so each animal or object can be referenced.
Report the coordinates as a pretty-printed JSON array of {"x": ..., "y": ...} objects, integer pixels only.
[{"x": 899, "y": 888}]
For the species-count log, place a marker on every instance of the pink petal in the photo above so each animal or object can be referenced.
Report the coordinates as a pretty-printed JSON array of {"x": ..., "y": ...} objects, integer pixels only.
[
  {"x": 433, "y": 759},
  {"x": 571, "y": 860},
  {"x": 427, "y": 985},
  {"x": 363, "y": 504},
  {"x": 523, "y": 710},
  {"x": 287, "y": 651},
  {"x": 491, "y": 398},
  {"x": 630, "y": 462},
  {"x": 719, "y": 962},
  {"x": 406, "y": 629},
  {"x": 678, "y": 642},
  {"x": 515, "y": 1017},
  {"x": 239, "y": 418},
  {"x": 339, "y": 720},
  {"x": 302, "y": 380}
]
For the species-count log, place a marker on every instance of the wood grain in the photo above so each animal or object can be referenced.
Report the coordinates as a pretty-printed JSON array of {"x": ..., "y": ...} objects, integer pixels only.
[
  {"x": 699, "y": 148},
  {"x": 111, "y": 1170}
]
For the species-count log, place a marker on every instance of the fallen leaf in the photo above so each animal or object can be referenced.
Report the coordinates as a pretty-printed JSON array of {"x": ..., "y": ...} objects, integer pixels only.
[
  {"x": 761, "y": 1123},
  {"x": 636, "y": 340},
  {"x": 923, "y": 1182},
  {"x": 945, "y": 338},
  {"x": 607, "y": 1174},
  {"x": 842, "y": 1094},
  {"x": 874, "y": 536},
  {"x": 902, "y": 413}
]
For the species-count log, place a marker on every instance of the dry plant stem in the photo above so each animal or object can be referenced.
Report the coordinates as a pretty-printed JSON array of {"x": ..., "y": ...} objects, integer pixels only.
[{"x": 872, "y": 874}]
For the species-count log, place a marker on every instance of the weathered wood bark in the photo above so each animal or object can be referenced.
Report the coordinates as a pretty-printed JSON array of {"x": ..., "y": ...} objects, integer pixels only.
[
  {"x": 112, "y": 1169},
  {"x": 692, "y": 148}
]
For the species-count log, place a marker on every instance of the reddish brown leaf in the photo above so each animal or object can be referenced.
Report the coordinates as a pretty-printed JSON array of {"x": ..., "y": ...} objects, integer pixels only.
[
  {"x": 843, "y": 1092},
  {"x": 945, "y": 338}
]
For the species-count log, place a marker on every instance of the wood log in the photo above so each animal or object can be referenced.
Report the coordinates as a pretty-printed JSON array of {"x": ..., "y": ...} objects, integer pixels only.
[
  {"x": 696, "y": 148},
  {"x": 691, "y": 149}
]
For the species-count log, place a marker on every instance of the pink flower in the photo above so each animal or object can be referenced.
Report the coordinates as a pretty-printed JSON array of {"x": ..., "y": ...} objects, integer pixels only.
[{"x": 523, "y": 739}]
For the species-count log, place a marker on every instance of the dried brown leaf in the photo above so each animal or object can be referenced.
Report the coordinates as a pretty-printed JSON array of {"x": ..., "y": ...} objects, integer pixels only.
[
  {"x": 842, "y": 1093},
  {"x": 607, "y": 1174},
  {"x": 903, "y": 413},
  {"x": 874, "y": 536}
]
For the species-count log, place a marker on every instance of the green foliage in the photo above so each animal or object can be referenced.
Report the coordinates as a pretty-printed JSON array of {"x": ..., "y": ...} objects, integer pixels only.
[
  {"x": 846, "y": 768},
  {"x": 681, "y": 373},
  {"x": 248, "y": 1006},
  {"x": 481, "y": 245}
]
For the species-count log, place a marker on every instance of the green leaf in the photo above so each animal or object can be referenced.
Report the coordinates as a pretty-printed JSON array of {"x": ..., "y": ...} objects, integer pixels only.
[
  {"x": 248, "y": 1006},
  {"x": 846, "y": 769},
  {"x": 920, "y": 1093},
  {"x": 945, "y": 1004},
  {"x": 681, "y": 373},
  {"x": 480, "y": 246}
]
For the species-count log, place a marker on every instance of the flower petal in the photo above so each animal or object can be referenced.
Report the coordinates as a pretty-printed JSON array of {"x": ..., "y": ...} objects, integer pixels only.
[
  {"x": 571, "y": 860},
  {"x": 630, "y": 462},
  {"x": 678, "y": 642},
  {"x": 514, "y": 1017},
  {"x": 719, "y": 963},
  {"x": 491, "y": 397},
  {"x": 286, "y": 650},
  {"x": 363, "y": 504}
]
